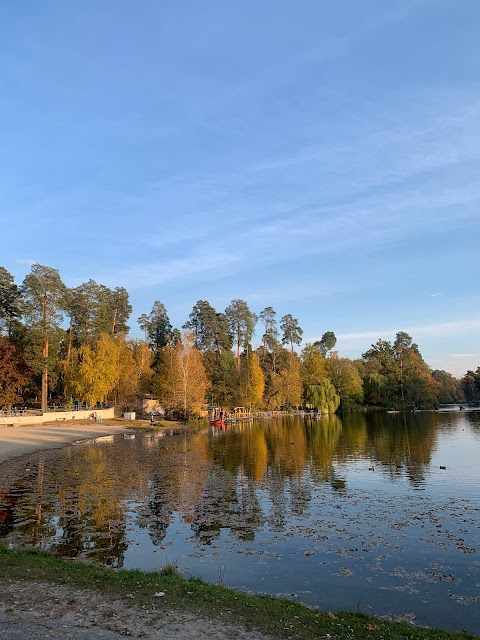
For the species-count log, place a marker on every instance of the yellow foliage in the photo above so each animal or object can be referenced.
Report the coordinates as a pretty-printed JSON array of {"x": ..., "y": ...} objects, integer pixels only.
[
  {"x": 286, "y": 386},
  {"x": 182, "y": 382},
  {"x": 314, "y": 366},
  {"x": 252, "y": 381}
]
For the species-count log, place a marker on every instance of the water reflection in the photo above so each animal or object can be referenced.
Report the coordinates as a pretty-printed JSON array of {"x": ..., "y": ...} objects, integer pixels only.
[{"x": 326, "y": 509}]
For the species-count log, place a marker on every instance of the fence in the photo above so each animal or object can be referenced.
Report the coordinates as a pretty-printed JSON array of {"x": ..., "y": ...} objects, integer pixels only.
[{"x": 37, "y": 417}]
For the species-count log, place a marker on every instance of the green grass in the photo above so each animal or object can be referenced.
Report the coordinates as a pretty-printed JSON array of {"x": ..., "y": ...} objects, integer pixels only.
[{"x": 270, "y": 615}]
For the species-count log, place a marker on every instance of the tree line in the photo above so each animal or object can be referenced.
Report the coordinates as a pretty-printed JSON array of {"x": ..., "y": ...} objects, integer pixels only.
[{"x": 73, "y": 344}]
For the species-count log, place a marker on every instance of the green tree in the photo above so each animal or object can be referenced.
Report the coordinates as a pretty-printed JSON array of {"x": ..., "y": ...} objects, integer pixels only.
[
  {"x": 347, "y": 381},
  {"x": 326, "y": 343},
  {"x": 402, "y": 377},
  {"x": 211, "y": 329},
  {"x": 113, "y": 311},
  {"x": 157, "y": 328},
  {"x": 44, "y": 295},
  {"x": 82, "y": 307},
  {"x": 322, "y": 397},
  {"x": 242, "y": 323},
  {"x": 270, "y": 336},
  {"x": 224, "y": 383},
  {"x": 449, "y": 389},
  {"x": 292, "y": 333},
  {"x": 471, "y": 385},
  {"x": 10, "y": 302}
]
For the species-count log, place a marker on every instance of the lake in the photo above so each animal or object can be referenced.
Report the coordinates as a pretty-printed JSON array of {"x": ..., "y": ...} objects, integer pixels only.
[{"x": 376, "y": 512}]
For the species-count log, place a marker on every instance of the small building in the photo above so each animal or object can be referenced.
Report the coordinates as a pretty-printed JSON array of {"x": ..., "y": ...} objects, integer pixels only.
[{"x": 150, "y": 404}]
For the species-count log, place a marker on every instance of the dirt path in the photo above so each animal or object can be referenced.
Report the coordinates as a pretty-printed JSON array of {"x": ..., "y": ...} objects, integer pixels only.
[{"x": 42, "y": 610}]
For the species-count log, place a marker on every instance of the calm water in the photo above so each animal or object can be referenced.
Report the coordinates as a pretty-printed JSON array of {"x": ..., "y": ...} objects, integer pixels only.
[{"x": 341, "y": 514}]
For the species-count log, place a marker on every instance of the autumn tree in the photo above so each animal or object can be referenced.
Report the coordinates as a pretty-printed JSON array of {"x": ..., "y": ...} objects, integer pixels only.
[
  {"x": 125, "y": 390},
  {"x": 44, "y": 295},
  {"x": 14, "y": 373},
  {"x": 292, "y": 333},
  {"x": 93, "y": 371},
  {"x": 142, "y": 356},
  {"x": 286, "y": 384},
  {"x": 252, "y": 381},
  {"x": 314, "y": 365},
  {"x": 318, "y": 390},
  {"x": 182, "y": 379}
]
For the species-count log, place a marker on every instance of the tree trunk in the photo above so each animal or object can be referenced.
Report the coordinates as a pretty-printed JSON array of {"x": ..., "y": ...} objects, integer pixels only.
[
  {"x": 45, "y": 358},
  {"x": 45, "y": 377},
  {"x": 114, "y": 321},
  {"x": 69, "y": 350}
]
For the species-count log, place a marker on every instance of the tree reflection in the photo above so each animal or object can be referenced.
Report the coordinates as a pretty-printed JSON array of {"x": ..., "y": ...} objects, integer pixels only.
[{"x": 81, "y": 501}]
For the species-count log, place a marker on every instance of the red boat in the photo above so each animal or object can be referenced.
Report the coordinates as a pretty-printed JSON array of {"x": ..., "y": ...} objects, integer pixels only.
[{"x": 217, "y": 423}]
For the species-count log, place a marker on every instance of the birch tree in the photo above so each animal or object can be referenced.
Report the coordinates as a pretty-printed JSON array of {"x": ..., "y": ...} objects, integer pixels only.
[{"x": 183, "y": 382}]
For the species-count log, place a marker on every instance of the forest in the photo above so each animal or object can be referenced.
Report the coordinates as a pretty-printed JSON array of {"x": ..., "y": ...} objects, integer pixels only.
[{"x": 61, "y": 345}]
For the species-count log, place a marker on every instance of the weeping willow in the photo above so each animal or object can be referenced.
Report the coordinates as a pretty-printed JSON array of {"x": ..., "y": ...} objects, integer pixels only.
[{"x": 322, "y": 397}]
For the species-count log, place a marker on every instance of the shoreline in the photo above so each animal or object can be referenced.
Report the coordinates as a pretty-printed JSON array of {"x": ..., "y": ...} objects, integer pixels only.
[{"x": 17, "y": 441}]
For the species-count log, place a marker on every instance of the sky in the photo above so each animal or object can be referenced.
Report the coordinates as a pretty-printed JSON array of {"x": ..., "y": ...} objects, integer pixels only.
[{"x": 319, "y": 157}]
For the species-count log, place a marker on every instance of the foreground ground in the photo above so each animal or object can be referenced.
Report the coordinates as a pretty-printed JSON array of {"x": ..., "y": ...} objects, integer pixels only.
[
  {"x": 41, "y": 610},
  {"x": 43, "y": 597},
  {"x": 19, "y": 440}
]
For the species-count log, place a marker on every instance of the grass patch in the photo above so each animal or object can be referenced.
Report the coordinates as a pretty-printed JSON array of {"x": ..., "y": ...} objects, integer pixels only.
[{"x": 270, "y": 615}]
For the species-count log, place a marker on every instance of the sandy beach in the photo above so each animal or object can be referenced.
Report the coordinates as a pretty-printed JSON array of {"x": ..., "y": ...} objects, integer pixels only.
[{"x": 19, "y": 440}]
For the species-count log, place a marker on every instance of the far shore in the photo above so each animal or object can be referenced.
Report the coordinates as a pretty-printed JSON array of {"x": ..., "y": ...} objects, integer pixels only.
[{"x": 18, "y": 440}]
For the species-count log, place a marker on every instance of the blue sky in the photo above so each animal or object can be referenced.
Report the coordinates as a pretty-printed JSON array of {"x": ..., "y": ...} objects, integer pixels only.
[{"x": 319, "y": 157}]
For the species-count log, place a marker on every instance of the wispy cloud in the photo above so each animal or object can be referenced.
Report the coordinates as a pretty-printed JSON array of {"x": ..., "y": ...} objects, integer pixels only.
[
  {"x": 464, "y": 355},
  {"x": 27, "y": 261},
  {"x": 170, "y": 270},
  {"x": 429, "y": 330}
]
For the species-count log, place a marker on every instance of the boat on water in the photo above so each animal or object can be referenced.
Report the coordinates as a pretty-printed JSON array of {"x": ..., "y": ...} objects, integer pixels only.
[
  {"x": 216, "y": 417},
  {"x": 217, "y": 423}
]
